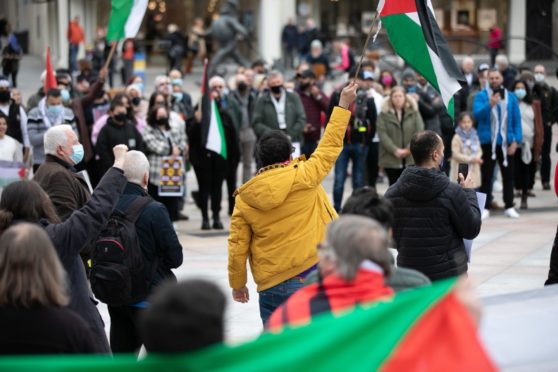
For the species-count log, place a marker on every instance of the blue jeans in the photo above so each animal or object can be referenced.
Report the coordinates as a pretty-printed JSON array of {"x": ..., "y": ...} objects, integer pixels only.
[
  {"x": 357, "y": 153},
  {"x": 74, "y": 49},
  {"x": 273, "y": 297}
]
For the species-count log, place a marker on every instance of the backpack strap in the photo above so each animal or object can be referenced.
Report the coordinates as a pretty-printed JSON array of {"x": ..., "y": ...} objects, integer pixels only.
[{"x": 134, "y": 210}]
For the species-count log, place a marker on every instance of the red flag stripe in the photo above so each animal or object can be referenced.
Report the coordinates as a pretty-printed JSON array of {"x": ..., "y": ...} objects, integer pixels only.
[
  {"x": 398, "y": 7},
  {"x": 50, "y": 79},
  {"x": 444, "y": 338}
]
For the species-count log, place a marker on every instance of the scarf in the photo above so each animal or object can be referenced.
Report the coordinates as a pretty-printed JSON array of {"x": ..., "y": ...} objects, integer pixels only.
[
  {"x": 48, "y": 118},
  {"x": 470, "y": 139},
  {"x": 503, "y": 105}
]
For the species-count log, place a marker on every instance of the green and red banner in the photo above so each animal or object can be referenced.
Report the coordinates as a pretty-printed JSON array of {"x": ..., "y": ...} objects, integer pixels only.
[
  {"x": 426, "y": 329},
  {"x": 415, "y": 36}
]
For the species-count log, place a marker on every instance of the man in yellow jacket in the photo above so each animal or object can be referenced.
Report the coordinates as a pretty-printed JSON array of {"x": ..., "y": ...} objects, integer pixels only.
[{"x": 281, "y": 214}]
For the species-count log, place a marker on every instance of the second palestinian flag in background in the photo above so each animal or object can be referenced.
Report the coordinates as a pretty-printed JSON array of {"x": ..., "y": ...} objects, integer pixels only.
[
  {"x": 416, "y": 37},
  {"x": 213, "y": 132}
]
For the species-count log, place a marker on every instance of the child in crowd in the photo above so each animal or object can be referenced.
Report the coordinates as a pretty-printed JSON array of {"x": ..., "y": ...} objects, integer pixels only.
[{"x": 466, "y": 148}]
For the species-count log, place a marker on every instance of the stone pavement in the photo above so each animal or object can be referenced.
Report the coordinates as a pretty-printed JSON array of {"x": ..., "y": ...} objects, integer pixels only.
[{"x": 508, "y": 256}]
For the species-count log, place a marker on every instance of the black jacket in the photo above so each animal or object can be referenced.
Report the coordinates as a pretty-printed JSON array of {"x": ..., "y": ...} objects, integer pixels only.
[
  {"x": 69, "y": 238},
  {"x": 432, "y": 217},
  {"x": 113, "y": 134},
  {"x": 368, "y": 131},
  {"x": 158, "y": 240}
]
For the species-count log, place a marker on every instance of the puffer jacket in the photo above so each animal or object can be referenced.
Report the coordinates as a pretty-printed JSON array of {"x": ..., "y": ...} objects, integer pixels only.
[
  {"x": 432, "y": 217},
  {"x": 281, "y": 214},
  {"x": 396, "y": 134}
]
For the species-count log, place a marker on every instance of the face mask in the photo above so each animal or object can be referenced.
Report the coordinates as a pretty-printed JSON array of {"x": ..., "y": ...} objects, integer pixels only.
[
  {"x": 162, "y": 121},
  {"x": 136, "y": 101},
  {"x": 304, "y": 86},
  {"x": 177, "y": 82},
  {"x": 4, "y": 96},
  {"x": 539, "y": 77},
  {"x": 77, "y": 155},
  {"x": 276, "y": 89},
  {"x": 387, "y": 80},
  {"x": 520, "y": 93},
  {"x": 54, "y": 110},
  {"x": 411, "y": 88},
  {"x": 65, "y": 95},
  {"x": 120, "y": 117},
  {"x": 242, "y": 87},
  {"x": 140, "y": 86},
  {"x": 178, "y": 96}
]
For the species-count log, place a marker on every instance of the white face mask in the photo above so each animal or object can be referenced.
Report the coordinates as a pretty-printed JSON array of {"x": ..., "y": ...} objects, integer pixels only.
[{"x": 539, "y": 77}]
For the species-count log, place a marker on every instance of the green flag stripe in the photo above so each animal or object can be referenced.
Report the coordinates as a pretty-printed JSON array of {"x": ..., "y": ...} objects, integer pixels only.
[
  {"x": 221, "y": 132},
  {"x": 120, "y": 12},
  {"x": 362, "y": 340},
  {"x": 407, "y": 40}
]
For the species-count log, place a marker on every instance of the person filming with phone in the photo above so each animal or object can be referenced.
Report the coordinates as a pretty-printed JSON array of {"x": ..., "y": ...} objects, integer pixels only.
[
  {"x": 497, "y": 113},
  {"x": 432, "y": 214}
]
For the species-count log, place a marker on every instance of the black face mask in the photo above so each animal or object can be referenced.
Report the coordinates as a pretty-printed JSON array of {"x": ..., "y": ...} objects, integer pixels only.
[
  {"x": 242, "y": 87},
  {"x": 136, "y": 101},
  {"x": 276, "y": 89},
  {"x": 4, "y": 96},
  {"x": 120, "y": 117},
  {"x": 162, "y": 122},
  {"x": 304, "y": 86}
]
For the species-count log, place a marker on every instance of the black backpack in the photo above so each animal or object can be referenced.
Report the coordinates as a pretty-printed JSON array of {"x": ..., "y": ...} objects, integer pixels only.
[{"x": 117, "y": 264}]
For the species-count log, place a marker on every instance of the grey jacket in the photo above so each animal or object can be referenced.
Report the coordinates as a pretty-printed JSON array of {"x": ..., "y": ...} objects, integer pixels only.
[
  {"x": 265, "y": 116},
  {"x": 70, "y": 236}
]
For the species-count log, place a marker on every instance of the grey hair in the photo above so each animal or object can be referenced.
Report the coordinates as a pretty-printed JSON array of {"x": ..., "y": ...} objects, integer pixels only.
[
  {"x": 501, "y": 58},
  {"x": 353, "y": 239},
  {"x": 316, "y": 44},
  {"x": 159, "y": 79},
  {"x": 216, "y": 79},
  {"x": 56, "y": 136},
  {"x": 136, "y": 166},
  {"x": 275, "y": 74}
]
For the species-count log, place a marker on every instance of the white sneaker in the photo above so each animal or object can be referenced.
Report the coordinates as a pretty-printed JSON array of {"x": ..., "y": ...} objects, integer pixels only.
[
  {"x": 511, "y": 213},
  {"x": 485, "y": 214}
]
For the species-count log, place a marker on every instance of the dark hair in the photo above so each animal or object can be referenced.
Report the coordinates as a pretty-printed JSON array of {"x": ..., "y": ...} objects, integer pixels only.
[
  {"x": 493, "y": 69},
  {"x": 53, "y": 92},
  {"x": 366, "y": 202},
  {"x": 423, "y": 145},
  {"x": 152, "y": 117},
  {"x": 25, "y": 201},
  {"x": 463, "y": 114},
  {"x": 4, "y": 116},
  {"x": 117, "y": 101},
  {"x": 152, "y": 100},
  {"x": 272, "y": 148},
  {"x": 183, "y": 317},
  {"x": 529, "y": 97}
]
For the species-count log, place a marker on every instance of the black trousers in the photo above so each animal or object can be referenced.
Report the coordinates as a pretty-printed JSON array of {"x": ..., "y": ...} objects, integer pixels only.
[
  {"x": 170, "y": 202},
  {"x": 524, "y": 173},
  {"x": 553, "y": 272},
  {"x": 393, "y": 174},
  {"x": 487, "y": 174},
  {"x": 372, "y": 163},
  {"x": 124, "y": 329},
  {"x": 545, "y": 158},
  {"x": 210, "y": 183},
  {"x": 231, "y": 185}
]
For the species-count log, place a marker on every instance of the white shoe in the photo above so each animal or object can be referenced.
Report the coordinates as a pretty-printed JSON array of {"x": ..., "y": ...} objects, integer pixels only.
[
  {"x": 511, "y": 213},
  {"x": 485, "y": 214}
]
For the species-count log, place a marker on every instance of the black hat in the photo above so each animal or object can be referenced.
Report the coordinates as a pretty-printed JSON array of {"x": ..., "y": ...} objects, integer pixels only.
[{"x": 306, "y": 74}]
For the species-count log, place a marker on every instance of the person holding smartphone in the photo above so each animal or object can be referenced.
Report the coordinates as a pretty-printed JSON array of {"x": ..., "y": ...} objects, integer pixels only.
[{"x": 499, "y": 128}]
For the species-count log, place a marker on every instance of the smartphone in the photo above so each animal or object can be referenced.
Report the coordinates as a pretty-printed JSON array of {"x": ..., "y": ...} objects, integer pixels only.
[
  {"x": 500, "y": 91},
  {"x": 464, "y": 170}
]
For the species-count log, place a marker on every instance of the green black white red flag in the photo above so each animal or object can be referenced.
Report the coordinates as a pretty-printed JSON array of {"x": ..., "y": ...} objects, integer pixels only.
[
  {"x": 415, "y": 36},
  {"x": 213, "y": 132}
]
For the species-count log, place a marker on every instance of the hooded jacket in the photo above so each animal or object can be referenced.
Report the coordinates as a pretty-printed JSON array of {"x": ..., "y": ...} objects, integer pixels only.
[
  {"x": 281, "y": 214},
  {"x": 432, "y": 217},
  {"x": 395, "y": 134}
]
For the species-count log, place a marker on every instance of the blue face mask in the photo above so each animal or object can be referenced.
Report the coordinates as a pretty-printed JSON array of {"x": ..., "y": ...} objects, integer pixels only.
[
  {"x": 178, "y": 96},
  {"x": 65, "y": 95},
  {"x": 520, "y": 93},
  {"x": 411, "y": 89},
  {"x": 177, "y": 82},
  {"x": 77, "y": 154},
  {"x": 54, "y": 110},
  {"x": 141, "y": 86}
]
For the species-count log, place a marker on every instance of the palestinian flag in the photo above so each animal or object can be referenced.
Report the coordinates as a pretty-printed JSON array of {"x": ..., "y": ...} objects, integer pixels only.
[
  {"x": 213, "y": 132},
  {"x": 125, "y": 19},
  {"x": 425, "y": 329},
  {"x": 415, "y": 36},
  {"x": 50, "y": 77}
]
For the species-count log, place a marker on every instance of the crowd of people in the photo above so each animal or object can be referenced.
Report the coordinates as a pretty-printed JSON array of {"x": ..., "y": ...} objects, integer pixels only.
[{"x": 93, "y": 209}]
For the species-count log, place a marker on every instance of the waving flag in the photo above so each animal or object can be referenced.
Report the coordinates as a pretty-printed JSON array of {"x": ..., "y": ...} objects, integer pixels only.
[
  {"x": 415, "y": 36},
  {"x": 426, "y": 329},
  {"x": 125, "y": 19},
  {"x": 213, "y": 132},
  {"x": 50, "y": 77}
]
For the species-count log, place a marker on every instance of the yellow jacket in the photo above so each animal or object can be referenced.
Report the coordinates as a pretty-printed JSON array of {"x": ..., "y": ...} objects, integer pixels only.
[{"x": 281, "y": 214}]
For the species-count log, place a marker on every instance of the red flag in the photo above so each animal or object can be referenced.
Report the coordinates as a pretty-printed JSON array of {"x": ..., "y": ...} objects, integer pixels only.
[{"x": 50, "y": 79}]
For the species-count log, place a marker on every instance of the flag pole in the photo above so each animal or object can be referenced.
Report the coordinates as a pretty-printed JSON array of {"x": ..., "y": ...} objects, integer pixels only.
[
  {"x": 111, "y": 53},
  {"x": 366, "y": 44}
]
